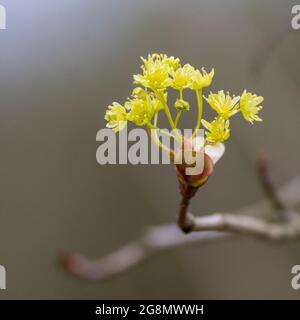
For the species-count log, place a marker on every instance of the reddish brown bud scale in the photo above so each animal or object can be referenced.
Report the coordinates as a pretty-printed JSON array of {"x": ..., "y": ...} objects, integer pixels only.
[{"x": 189, "y": 184}]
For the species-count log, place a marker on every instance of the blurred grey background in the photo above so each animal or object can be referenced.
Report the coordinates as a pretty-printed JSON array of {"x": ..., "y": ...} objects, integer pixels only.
[{"x": 61, "y": 63}]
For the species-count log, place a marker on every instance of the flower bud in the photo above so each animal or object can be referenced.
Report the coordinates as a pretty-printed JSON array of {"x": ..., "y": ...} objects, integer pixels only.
[{"x": 181, "y": 104}]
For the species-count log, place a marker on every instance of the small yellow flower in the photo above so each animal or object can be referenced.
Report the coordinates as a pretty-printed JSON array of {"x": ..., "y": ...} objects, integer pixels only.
[
  {"x": 142, "y": 107},
  {"x": 139, "y": 93},
  {"x": 218, "y": 130},
  {"x": 249, "y": 105},
  {"x": 224, "y": 105},
  {"x": 171, "y": 61},
  {"x": 200, "y": 79},
  {"x": 140, "y": 113},
  {"x": 182, "y": 77},
  {"x": 116, "y": 117},
  {"x": 156, "y": 71}
]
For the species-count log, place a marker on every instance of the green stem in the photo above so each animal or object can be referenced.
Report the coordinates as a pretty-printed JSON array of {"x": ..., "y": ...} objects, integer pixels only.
[
  {"x": 179, "y": 112},
  {"x": 155, "y": 119},
  {"x": 153, "y": 135},
  {"x": 200, "y": 110},
  {"x": 166, "y": 109},
  {"x": 177, "y": 118},
  {"x": 153, "y": 127},
  {"x": 180, "y": 94}
]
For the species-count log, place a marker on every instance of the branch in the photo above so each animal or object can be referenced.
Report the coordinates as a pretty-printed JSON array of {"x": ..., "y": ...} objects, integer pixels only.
[
  {"x": 252, "y": 221},
  {"x": 248, "y": 225},
  {"x": 154, "y": 240}
]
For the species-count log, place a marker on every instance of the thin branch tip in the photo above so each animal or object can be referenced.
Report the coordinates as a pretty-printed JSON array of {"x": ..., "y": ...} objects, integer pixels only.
[{"x": 74, "y": 263}]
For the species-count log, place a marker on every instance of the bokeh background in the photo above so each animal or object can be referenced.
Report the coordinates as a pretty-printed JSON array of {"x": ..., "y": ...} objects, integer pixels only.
[{"x": 61, "y": 63}]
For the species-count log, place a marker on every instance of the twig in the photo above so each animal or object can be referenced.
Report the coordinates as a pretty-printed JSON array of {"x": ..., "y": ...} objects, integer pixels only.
[
  {"x": 251, "y": 221},
  {"x": 262, "y": 168},
  {"x": 184, "y": 224},
  {"x": 249, "y": 226},
  {"x": 154, "y": 240}
]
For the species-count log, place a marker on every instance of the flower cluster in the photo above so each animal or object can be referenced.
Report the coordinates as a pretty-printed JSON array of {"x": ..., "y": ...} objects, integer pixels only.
[
  {"x": 159, "y": 73},
  {"x": 226, "y": 107},
  {"x": 139, "y": 109}
]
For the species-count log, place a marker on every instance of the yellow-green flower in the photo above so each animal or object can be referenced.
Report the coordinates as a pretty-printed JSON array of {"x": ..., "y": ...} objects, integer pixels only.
[
  {"x": 142, "y": 107},
  {"x": 116, "y": 117},
  {"x": 171, "y": 61},
  {"x": 140, "y": 113},
  {"x": 225, "y": 105},
  {"x": 139, "y": 93},
  {"x": 249, "y": 105},
  {"x": 182, "y": 77},
  {"x": 218, "y": 130},
  {"x": 200, "y": 79},
  {"x": 156, "y": 71}
]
